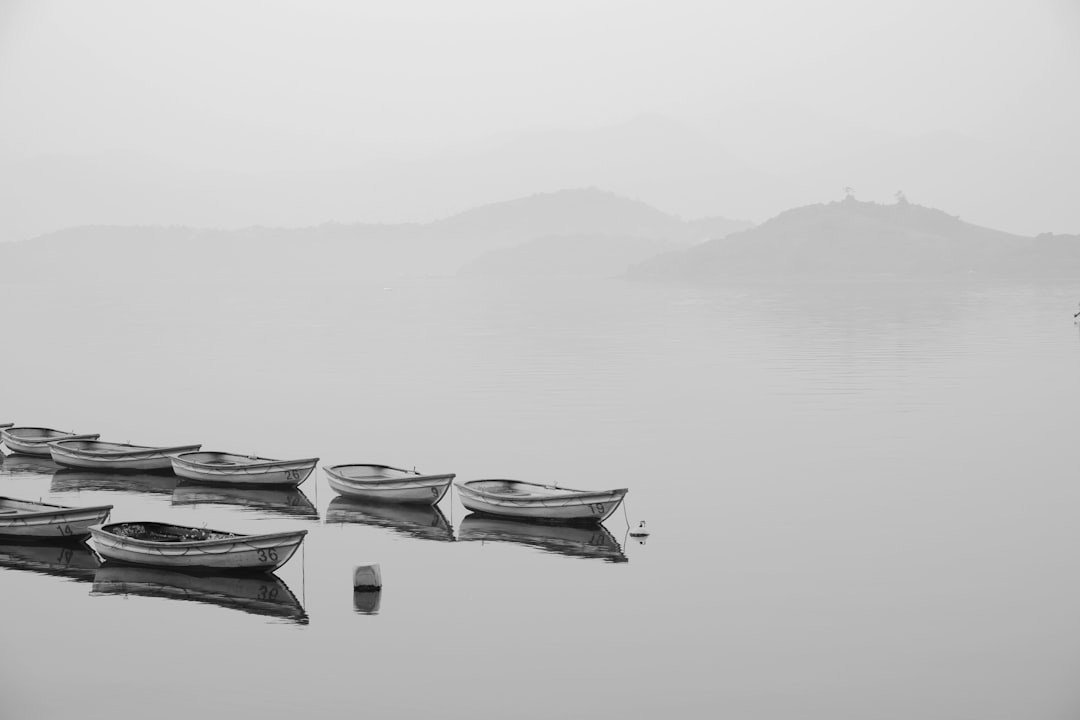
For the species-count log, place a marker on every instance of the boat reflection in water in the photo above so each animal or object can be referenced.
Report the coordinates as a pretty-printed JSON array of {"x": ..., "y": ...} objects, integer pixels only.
[
  {"x": 258, "y": 594},
  {"x": 72, "y": 560},
  {"x": 68, "y": 480},
  {"x": 571, "y": 540},
  {"x": 425, "y": 522},
  {"x": 19, "y": 463},
  {"x": 286, "y": 501},
  {"x": 367, "y": 602}
]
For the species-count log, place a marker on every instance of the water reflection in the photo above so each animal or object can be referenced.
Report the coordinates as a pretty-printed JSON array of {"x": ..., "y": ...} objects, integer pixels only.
[
  {"x": 70, "y": 480},
  {"x": 570, "y": 540},
  {"x": 19, "y": 463},
  {"x": 262, "y": 594},
  {"x": 425, "y": 522},
  {"x": 367, "y": 602},
  {"x": 291, "y": 501},
  {"x": 74, "y": 560}
]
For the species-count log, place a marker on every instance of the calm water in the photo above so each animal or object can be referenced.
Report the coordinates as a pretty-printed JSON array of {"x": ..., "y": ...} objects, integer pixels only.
[{"x": 863, "y": 500}]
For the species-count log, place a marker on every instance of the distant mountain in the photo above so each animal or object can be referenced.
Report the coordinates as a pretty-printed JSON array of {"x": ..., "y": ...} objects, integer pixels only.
[
  {"x": 859, "y": 239},
  {"x": 367, "y": 250},
  {"x": 652, "y": 158}
]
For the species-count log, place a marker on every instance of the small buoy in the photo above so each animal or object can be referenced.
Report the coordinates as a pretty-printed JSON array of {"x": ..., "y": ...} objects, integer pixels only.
[
  {"x": 367, "y": 577},
  {"x": 640, "y": 530}
]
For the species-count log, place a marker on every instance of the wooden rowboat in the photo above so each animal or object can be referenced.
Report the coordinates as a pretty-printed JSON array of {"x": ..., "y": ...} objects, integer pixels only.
[
  {"x": 35, "y": 440},
  {"x": 97, "y": 455},
  {"x": 219, "y": 468},
  {"x": 26, "y": 519},
  {"x": 532, "y": 501},
  {"x": 387, "y": 484},
  {"x": 177, "y": 547}
]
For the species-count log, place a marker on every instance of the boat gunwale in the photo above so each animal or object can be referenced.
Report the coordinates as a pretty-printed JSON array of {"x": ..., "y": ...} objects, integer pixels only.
[
  {"x": 411, "y": 476},
  {"x": 11, "y": 430},
  {"x": 564, "y": 493},
  {"x": 135, "y": 451},
  {"x": 233, "y": 539},
  {"x": 259, "y": 462},
  {"x": 59, "y": 509}
]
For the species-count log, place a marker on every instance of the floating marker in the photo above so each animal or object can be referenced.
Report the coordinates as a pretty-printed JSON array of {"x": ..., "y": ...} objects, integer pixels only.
[
  {"x": 640, "y": 530},
  {"x": 367, "y": 577}
]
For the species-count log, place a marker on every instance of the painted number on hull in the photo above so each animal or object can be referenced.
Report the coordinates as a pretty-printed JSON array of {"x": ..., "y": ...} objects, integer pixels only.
[
  {"x": 64, "y": 529},
  {"x": 64, "y": 557},
  {"x": 265, "y": 554},
  {"x": 435, "y": 492},
  {"x": 597, "y": 508},
  {"x": 293, "y": 475}
]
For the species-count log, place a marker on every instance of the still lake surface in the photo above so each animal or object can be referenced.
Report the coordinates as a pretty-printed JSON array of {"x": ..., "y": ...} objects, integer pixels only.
[{"x": 863, "y": 499}]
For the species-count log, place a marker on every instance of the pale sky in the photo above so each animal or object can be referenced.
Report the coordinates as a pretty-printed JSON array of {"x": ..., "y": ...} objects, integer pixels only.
[{"x": 257, "y": 86}]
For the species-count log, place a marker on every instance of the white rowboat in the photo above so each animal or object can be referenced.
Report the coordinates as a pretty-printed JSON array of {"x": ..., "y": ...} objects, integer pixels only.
[
  {"x": 383, "y": 483},
  {"x": 532, "y": 501},
  {"x": 35, "y": 440},
  {"x": 97, "y": 455},
  {"x": 177, "y": 546},
  {"x": 23, "y": 518},
  {"x": 221, "y": 468}
]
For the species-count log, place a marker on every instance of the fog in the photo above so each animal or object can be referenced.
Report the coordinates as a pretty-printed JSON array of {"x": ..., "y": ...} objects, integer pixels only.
[{"x": 300, "y": 113}]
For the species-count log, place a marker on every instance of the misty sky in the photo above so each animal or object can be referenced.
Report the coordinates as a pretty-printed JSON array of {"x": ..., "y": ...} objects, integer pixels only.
[{"x": 267, "y": 86}]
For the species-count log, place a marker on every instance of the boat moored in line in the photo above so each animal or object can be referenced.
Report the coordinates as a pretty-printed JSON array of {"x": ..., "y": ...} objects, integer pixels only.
[
  {"x": 177, "y": 546},
  {"x": 387, "y": 484},
  {"x": 533, "y": 501},
  {"x": 222, "y": 468},
  {"x": 97, "y": 455},
  {"x": 26, "y": 519},
  {"x": 35, "y": 440}
]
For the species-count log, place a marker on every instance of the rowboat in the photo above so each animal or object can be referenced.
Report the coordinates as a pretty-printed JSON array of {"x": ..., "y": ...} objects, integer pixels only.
[
  {"x": 97, "y": 455},
  {"x": 68, "y": 480},
  {"x": 532, "y": 501},
  {"x": 425, "y": 522},
  {"x": 259, "y": 594},
  {"x": 578, "y": 541},
  {"x": 387, "y": 484},
  {"x": 27, "y": 519},
  {"x": 284, "y": 500},
  {"x": 35, "y": 440},
  {"x": 179, "y": 547},
  {"x": 231, "y": 469}
]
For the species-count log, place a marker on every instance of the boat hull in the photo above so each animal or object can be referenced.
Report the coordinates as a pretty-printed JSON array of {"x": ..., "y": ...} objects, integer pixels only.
[
  {"x": 279, "y": 473},
  {"x": 75, "y": 454},
  {"x": 53, "y": 522},
  {"x": 35, "y": 441},
  {"x": 252, "y": 553},
  {"x": 409, "y": 488},
  {"x": 563, "y": 506}
]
